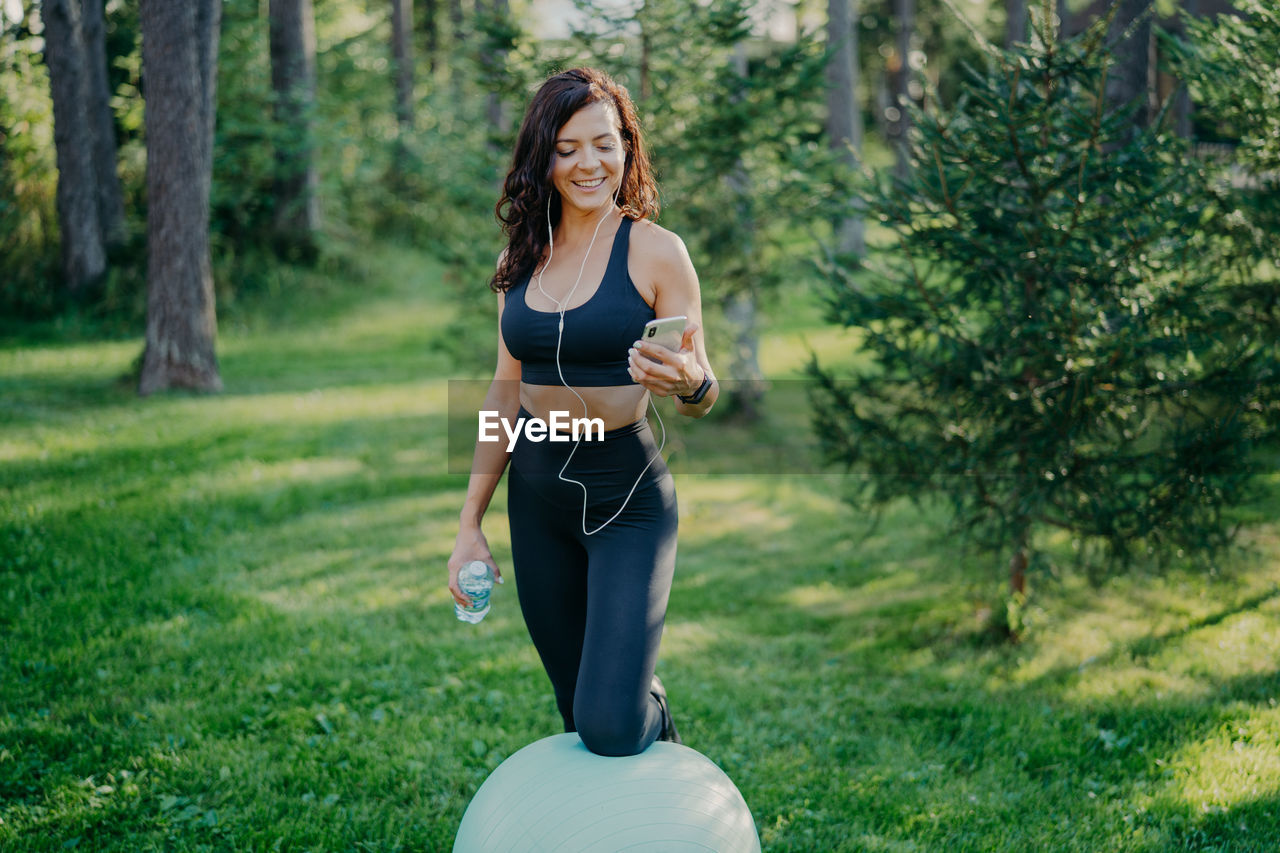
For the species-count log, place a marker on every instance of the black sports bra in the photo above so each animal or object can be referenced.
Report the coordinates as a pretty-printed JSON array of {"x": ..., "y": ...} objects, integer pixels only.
[{"x": 597, "y": 333}]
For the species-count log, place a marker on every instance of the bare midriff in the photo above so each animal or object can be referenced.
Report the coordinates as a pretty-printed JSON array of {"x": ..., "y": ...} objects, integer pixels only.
[{"x": 616, "y": 405}]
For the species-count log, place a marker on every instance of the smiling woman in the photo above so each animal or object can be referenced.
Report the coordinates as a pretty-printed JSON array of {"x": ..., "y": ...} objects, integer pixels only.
[{"x": 593, "y": 523}]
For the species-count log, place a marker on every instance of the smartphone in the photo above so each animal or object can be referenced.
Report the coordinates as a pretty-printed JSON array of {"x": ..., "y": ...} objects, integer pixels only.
[{"x": 666, "y": 331}]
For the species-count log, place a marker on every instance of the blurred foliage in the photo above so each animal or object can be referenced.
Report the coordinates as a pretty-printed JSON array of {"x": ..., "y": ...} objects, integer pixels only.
[
  {"x": 1224, "y": 61},
  {"x": 452, "y": 180},
  {"x": 743, "y": 168},
  {"x": 438, "y": 181},
  {"x": 942, "y": 45},
  {"x": 1232, "y": 85},
  {"x": 244, "y": 136},
  {"x": 29, "y": 235},
  {"x": 735, "y": 132},
  {"x": 1057, "y": 339},
  {"x": 28, "y": 173}
]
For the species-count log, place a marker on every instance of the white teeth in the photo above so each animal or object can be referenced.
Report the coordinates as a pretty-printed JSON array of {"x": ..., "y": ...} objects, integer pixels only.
[{"x": 589, "y": 184}]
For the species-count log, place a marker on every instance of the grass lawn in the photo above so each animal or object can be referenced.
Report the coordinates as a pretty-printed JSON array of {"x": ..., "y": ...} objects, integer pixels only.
[{"x": 225, "y": 625}]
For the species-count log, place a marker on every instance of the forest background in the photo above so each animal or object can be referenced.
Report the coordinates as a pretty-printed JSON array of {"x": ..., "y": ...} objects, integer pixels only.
[{"x": 300, "y": 215}]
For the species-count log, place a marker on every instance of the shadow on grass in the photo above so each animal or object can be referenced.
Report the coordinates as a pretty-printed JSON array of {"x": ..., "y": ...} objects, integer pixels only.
[
  {"x": 933, "y": 754},
  {"x": 123, "y": 464},
  {"x": 33, "y": 397},
  {"x": 207, "y": 674},
  {"x": 1247, "y": 827},
  {"x": 1150, "y": 645}
]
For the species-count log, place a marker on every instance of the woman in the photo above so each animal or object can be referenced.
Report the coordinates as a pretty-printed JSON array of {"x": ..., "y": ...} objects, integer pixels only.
[{"x": 593, "y": 523}]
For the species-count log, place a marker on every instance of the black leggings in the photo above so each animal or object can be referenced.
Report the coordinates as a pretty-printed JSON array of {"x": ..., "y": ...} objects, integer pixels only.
[{"x": 595, "y": 605}]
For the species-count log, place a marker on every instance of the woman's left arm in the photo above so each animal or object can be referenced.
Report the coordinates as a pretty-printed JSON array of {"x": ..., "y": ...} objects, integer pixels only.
[{"x": 674, "y": 284}]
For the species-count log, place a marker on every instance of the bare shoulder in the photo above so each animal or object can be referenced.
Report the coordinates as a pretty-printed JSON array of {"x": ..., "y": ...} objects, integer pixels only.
[
  {"x": 660, "y": 266},
  {"x": 658, "y": 244}
]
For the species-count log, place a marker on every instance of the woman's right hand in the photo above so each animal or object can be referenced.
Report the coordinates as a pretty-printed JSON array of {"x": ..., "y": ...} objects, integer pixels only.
[{"x": 470, "y": 545}]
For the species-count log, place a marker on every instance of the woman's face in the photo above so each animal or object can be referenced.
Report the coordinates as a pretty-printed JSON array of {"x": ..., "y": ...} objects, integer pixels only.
[{"x": 589, "y": 158}]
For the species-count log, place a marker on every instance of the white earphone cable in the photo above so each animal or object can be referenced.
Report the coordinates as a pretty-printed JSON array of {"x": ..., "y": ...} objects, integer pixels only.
[{"x": 561, "y": 307}]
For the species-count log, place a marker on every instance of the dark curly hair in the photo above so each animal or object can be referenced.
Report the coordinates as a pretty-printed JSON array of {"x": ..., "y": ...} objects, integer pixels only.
[{"x": 528, "y": 187}]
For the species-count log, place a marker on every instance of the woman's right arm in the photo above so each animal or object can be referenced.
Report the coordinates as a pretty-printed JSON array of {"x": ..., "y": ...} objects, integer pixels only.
[{"x": 487, "y": 464}]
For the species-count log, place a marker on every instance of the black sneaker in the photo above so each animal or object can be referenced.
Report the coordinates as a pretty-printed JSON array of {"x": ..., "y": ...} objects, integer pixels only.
[{"x": 668, "y": 732}]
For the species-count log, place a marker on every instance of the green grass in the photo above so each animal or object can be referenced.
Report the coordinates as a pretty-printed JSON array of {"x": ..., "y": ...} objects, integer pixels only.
[{"x": 226, "y": 626}]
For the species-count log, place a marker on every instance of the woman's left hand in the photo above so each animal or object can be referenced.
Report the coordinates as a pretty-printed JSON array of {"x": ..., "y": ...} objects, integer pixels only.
[{"x": 663, "y": 371}]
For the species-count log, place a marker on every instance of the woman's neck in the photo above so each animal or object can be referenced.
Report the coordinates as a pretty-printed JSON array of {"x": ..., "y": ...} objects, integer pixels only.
[{"x": 576, "y": 229}]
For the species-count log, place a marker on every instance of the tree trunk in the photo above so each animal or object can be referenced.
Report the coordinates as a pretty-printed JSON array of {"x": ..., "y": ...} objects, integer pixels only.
[
  {"x": 293, "y": 78},
  {"x": 746, "y": 378},
  {"x": 1129, "y": 80},
  {"x": 900, "y": 119},
  {"x": 179, "y": 60},
  {"x": 83, "y": 258},
  {"x": 110, "y": 200},
  {"x": 431, "y": 27},
  {"x": 881, "y": 99},
  {"x": 457, "y": 48},
  {"x": 1018, "y": 569},
  {"x": 402, "y": 66},
  {"x": 646, "y": 61},
  {"x": 402, "y": 52},
  {"x": 844, "y": 120},
  {"x": 1015, "y": 26},
  {"x": 497, "y": 118},
  {"x": 1182, "y": 98}
]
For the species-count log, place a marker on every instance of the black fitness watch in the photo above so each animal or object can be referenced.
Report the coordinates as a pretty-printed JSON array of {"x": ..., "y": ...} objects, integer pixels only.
[{"x": 696, "y": 397}]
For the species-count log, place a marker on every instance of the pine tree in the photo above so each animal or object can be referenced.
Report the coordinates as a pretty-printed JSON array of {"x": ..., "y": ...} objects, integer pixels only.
[{"x": 1052, "y": 335}]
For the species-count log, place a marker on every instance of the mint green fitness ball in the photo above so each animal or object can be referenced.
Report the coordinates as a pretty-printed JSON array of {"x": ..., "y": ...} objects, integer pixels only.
[{"x": 557, "y": 796}]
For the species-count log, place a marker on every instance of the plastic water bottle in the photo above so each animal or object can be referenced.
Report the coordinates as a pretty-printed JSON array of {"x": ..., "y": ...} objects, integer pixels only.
[{"x": 475, "y": 579}]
